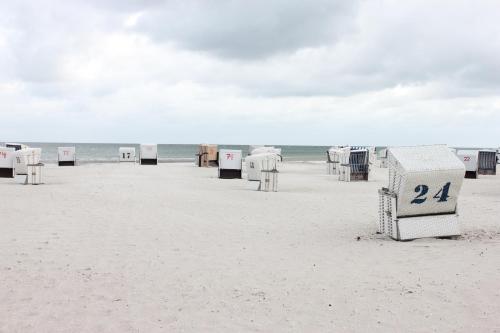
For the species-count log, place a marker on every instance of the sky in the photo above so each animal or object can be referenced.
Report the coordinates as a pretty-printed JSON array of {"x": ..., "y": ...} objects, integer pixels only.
[{"x": 319, "y": 72}]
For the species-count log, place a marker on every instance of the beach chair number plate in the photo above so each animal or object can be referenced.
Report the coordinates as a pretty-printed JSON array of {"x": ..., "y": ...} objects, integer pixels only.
[
  {"x": 422, "y": 190},
  {"x": 229, "y": 156},
  {"x": 126, "y": 155}
]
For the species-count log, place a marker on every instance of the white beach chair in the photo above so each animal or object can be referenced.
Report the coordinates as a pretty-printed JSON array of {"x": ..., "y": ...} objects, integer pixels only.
[
  {"x": 254, "y": 164},
  {"x": 230, "y": 163},
  {"x": 66, "y": 156},
  {"x": 471, "y": 162},
  {"x": 126, "y": 154},
  {"x": 354, "y": 164},
  {"x": 149, "y": 154},
  {"x": 23, "y": 157},
  {"x": 487, "y": 162},
  {"x": 7, "y": 166},
  {"x": 422, "y": 194}
]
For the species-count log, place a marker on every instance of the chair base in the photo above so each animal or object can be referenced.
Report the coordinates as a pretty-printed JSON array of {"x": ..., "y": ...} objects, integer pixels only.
[
  {"x": 413, "y": 227},
  {"x": 149, "y": 161},
  {"x": 471, "y": 174},
  {"x": 7, "y": 173},
  {"x": 229, "y": 174},
  {"x": 488, "y": 172},
  {"x": 66, "y": 163}
]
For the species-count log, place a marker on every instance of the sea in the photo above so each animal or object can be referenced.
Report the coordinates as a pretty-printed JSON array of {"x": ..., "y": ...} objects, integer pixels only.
[{"x": 167, "y": 153}]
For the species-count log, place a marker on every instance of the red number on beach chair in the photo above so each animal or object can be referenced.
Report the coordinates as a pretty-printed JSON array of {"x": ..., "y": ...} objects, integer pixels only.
[{"x": 229, "y": 156}]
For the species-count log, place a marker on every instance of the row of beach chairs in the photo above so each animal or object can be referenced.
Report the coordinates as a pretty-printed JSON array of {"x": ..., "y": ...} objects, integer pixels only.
[{"x": 419, "y": 200}]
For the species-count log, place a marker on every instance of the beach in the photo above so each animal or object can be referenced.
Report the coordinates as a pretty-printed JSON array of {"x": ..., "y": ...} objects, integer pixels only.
[{"x": 171, "y": 248}]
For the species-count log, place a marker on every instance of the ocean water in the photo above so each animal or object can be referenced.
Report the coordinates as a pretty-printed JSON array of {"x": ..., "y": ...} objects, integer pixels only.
[{"x": 108, "y": 152}]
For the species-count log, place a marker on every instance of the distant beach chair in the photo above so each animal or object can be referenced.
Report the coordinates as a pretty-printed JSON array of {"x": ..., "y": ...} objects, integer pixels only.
[
  {"x": 354, "y": 164},
  {"x": 471, "y": 162},
  {"x": 66, "y": 156},
  {"x": 487, "y": 162},
  {"x": 7, "y": 166},
  {"x": 149, "y": 154},
  {"x": 126, "y": 154},
  {"x": 23, "y": 157},
  {"x": 254, "y": 164},
  {"x": 230, "y": 163},
  {"x": 207, "y": 155},
  {"x": 422, "y": 194}
]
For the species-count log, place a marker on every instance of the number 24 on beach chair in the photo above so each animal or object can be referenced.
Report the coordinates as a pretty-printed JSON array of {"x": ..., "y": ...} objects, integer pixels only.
[{"x": 422, "y": 194}]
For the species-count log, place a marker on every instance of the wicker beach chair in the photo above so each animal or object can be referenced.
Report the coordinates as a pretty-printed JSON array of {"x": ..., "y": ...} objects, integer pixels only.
[{"x": 422, "y": 193}]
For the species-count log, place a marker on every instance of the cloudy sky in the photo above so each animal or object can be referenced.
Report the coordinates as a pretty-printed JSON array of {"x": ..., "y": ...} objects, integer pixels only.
[{"x": 281, "y": 72}]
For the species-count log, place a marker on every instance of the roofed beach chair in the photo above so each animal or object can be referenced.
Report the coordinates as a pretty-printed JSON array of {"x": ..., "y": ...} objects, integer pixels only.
[
  {"x": 7, "y": 166},
  {"x": 256, "y": 163},
  {"x": 354, "y": 164},
  {"x": 471, "y": 162},
  {"x": 148, "y": 154},
  {"x": 126, "y": 154},
  {"x": 230, "y": 163},
  {"x": 24, "y": 157},
  {"x": 207, "y": 155},
  {"x": 487, "y": 162},
  {"x": 422, "y": 194},
  {"x": 66, "y": 156}
]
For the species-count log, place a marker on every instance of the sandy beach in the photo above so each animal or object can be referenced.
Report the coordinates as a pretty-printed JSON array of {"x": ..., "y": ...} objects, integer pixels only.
[{"x": 172, "y": 248}]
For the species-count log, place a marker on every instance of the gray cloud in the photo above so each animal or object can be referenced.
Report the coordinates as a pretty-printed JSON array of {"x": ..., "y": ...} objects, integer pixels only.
[
  {"x": 249, "y": 29},
  {"x": 272, "y": 62}
]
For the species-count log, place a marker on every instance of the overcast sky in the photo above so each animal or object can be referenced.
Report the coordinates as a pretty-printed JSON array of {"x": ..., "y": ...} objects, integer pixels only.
[{"x": 277, "y": 72}]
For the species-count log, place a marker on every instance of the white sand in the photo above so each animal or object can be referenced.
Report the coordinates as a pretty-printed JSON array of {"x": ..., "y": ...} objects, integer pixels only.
[{"x": 124, "y": 248}]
